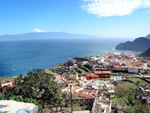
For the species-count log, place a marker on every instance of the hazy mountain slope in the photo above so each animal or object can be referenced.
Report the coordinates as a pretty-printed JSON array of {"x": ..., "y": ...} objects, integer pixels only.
[
  {"x": 42, "y": 35},
  {"x": 148, "y": 36},
  {"x": 146, "y": 53},
  {"x": 139, "y": 44}
]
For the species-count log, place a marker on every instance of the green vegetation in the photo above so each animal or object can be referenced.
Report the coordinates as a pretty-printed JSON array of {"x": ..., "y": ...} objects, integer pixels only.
[
  {"x": 2, "y": 96},
  {"x": 126, "y": 94},
  {"x": 60, "y": 69},
  {"x": 80, "y": 70},
  {"x": 118, "y": 100},
  {"x": 85, "y": 68},
  {"x": 130, "y": 99},
  {"x": 6, "y": 79},
  {"x": 148, "y": 80},
  {"x": 87, "y": 57},
  {"x": 127, "y": 85},
  {"x": 115, "y": 73},
  {"x": 146, "y": 73},
  {"x": 137, "y": 109},
  {"x": 49, "y": 71},
  {"x": 77, "y": 107},
  {"x": 136, "y": 80},
  {"x": 36, "y": 87},
  {"x": 148, "y": 62},
  {"x": 75, "y": 71}
]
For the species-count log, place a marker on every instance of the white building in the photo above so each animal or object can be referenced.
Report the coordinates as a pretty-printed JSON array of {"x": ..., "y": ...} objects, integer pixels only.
[
  {"x": 145, "y": 66},
  {"x": 133, "y": 70},
  {"x": 100, "y": 60},
  {"x": 94, "y": 58}
]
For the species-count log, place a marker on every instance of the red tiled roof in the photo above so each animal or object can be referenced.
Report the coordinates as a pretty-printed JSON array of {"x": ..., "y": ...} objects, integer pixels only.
[{"x": 6, "y": 83}]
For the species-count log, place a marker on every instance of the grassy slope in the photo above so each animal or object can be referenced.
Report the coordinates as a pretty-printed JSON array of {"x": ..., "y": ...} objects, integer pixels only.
[
  {"x": 6, "y": 78},
  {"x": 127, "y": 85},
  {"x": 142, "y": 82},
  {"x": 49, "y": 71}
]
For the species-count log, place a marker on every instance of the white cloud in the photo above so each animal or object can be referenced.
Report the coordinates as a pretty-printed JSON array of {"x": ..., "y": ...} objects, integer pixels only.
[
  {"x": 38, "y": 30},
  {"x": 114, "y": 7}
]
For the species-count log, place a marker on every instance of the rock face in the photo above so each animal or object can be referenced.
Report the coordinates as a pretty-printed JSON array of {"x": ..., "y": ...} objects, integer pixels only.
[
  {"x": 10, "y": 106},
  {"x": 139, "y": 44},
  {"x": 146, "y": 53}
]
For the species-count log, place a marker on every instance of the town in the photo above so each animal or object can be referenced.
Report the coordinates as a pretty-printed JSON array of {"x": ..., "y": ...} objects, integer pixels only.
[{"x": 100, "y": 81}]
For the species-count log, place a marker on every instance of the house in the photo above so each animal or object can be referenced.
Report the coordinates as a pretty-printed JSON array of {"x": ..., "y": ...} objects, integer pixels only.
[
  {"x": 98, "y": 74},
  {"x": 73, "y": 67},
  {"x": 133, "y": 70},
  {"x": 101, "y": 106},
  {"x": 120, "y": 68},
  {"x": 93, "y": 59},
  {"x": 100, "y": 60},
  {"x": 8, "y": 84}
]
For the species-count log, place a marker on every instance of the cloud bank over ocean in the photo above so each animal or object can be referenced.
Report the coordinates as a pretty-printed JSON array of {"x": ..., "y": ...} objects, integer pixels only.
[{"x": 106, "y": 8}]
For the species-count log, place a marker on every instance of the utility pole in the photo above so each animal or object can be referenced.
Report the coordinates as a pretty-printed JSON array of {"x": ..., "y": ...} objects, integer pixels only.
[
  {"x": 71, "y": 98},
  {"x": 54, "y": 69}
]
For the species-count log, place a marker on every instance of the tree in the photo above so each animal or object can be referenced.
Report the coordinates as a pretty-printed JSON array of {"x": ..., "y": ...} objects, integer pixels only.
[
  {"x": 2, "y": 96},
  {"x": 115, "y": 83},
  {"x": 129, "y": 98},
  {"x": 37, "y": 85},
  {"x": 137, "y": 83}
]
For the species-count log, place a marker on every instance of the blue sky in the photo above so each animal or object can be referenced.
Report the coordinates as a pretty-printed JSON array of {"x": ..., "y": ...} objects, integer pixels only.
[{"x": 102, "y": 18}]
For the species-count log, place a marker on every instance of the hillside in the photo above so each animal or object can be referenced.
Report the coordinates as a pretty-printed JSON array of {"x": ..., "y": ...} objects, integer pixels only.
[
  {"x": 139, "y": 44},
  {"x": 146, "y": 53},
  {"x": 148, "y": 36},
  {"x": 43, "y": 35}
]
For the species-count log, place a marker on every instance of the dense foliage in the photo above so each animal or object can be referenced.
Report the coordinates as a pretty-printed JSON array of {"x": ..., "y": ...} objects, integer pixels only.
[
  {"x": 131, "y": 100},
  {"x": 137, "y": 109},
  {"x": 36, "y": 85}
]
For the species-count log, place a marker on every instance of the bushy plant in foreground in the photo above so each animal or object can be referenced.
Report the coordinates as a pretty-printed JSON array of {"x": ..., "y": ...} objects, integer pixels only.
[{"x": 36, "y": 85}]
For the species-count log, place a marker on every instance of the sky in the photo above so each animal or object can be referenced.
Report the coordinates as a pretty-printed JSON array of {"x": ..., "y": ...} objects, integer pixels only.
[{"x": 101, "y": 18}]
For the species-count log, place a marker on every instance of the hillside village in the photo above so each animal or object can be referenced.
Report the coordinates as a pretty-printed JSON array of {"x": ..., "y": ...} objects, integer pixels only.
[
  {"x": 98, "y": 82},
  {"x": 100, "y": 78}
]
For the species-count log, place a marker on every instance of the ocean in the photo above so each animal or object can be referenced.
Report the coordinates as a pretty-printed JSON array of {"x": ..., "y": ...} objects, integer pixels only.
[{"x": 19, "y": 57}]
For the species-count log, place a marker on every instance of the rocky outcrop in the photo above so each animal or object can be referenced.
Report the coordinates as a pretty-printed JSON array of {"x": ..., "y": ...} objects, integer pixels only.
[
  {"x": 139, "y": 44},
  {"x": 10, "y": 106}
]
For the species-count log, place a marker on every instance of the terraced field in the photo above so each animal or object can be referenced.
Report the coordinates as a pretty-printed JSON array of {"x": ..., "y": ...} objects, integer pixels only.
[
  {"x": 79, "y": 70},
  {"x": 141, "y": 82}
]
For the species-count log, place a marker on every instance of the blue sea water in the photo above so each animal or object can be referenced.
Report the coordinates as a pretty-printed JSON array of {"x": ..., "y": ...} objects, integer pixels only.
[{"x": 19, "y": 57}]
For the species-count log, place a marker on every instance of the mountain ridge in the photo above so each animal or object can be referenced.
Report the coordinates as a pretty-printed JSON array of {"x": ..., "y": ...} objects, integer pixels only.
[
  {"x": 139, "y": 44},
  {"x": 148, "y": 36},
  {"x": 42, "y": 35},
  {"x": 145, "y": 53}
]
